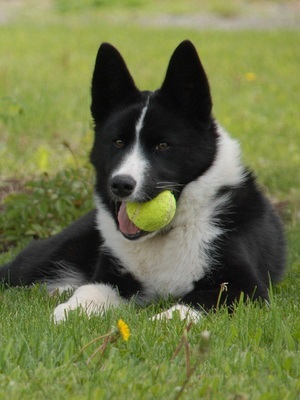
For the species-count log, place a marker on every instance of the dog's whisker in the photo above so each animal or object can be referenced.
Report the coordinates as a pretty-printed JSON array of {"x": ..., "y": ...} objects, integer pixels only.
[
  {"x": 168, "y": 188},
  {"x": 174, "y": 187},
  {"x": 172, "y": 184}
]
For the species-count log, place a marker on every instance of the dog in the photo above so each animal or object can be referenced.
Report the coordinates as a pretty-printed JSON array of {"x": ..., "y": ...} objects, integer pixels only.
[{"x": 225, "y": 232}]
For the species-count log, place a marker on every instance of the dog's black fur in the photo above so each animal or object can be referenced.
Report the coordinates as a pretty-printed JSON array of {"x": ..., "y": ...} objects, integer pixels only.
[{"x": 145, "y": 143}]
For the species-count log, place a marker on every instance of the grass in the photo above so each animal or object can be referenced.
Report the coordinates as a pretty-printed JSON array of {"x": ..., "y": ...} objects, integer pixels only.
[
  {"x": 45, "y": 70},
  {"x": 252, "y": 354}
]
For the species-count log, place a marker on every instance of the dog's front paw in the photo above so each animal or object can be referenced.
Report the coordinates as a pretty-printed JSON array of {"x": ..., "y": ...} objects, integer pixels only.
[
  {"x": 91, "y": 299},
  {"x": 184, "y": 312},
  {"x": 61, "y": 312}
]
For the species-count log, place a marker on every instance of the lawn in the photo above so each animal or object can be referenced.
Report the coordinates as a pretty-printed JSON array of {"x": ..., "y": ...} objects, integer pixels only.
[{"x": 47, "y": 56}]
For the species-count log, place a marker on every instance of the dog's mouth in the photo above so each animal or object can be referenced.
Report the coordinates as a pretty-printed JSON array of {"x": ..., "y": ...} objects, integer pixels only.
[{"x": 128, "y": 229}]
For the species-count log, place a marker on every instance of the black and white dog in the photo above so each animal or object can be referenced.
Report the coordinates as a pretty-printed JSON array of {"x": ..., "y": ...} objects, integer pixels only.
[{"x": 224, "y": 229}]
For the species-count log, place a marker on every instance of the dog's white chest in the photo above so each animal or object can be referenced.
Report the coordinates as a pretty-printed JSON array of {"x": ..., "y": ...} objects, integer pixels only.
[
  {"x": 168, "y": 264},
  {"x": 165, "y": 266}
]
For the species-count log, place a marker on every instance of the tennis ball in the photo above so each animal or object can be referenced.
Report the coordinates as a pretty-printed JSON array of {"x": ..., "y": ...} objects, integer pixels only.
[{"x": 154, "y": 214}]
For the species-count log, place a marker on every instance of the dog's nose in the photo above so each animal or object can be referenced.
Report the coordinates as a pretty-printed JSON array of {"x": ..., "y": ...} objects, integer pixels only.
[{"x": 122, "y": 185}]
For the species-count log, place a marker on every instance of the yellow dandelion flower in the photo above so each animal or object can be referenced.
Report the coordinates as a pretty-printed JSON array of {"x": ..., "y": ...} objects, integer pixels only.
[
  {"x": 250, "y": 76},
  {"x": 123, "y": 329}
]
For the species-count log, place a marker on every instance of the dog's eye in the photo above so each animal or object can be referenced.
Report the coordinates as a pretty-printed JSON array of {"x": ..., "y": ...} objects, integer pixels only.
[
  {"x": 118, "y": 143},
  {"x": 162, "y": 146}
]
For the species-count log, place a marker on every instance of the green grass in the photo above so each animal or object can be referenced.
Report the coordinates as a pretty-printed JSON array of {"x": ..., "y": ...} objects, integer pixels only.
[
  {"x": 45, "y": 69},
  {"x": 252, "y": 354}
]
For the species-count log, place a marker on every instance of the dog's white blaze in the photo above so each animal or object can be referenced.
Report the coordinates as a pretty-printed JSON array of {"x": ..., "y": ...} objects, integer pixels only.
[
  {"x": 169, "y": 263},
  {"x": 135, "y": 164},
  {"x": 140, "y": 122}
]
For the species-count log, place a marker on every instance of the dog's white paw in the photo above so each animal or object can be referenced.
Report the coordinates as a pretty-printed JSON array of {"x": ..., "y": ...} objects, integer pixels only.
[
  {"x": 91, "y": 299},
  {"x": 62, "y": 310},
  {"x": 184, "y": 312}
]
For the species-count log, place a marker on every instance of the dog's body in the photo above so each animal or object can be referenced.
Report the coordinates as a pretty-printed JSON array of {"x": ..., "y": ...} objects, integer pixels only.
[{"x": 224, "y": 230}]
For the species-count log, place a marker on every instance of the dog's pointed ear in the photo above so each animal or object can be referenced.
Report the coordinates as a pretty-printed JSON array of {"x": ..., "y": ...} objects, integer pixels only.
[
  {"x": 111, "y": 83},
  {"x": 186, "y": 84}
]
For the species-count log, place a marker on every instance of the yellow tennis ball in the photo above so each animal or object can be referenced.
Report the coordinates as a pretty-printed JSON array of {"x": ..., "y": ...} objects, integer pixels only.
[{"x": 154, "y": 214}]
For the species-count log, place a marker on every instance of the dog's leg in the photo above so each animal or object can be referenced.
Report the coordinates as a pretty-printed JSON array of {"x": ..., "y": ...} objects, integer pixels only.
[
  {"x": 198, "y": 302},
  {"x": 92, "y": 299},
  {"x": 68, "y": 258}
]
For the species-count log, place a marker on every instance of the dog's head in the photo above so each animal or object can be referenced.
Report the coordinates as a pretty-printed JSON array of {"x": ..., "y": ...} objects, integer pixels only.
[{"x": 146, "y": 142}]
